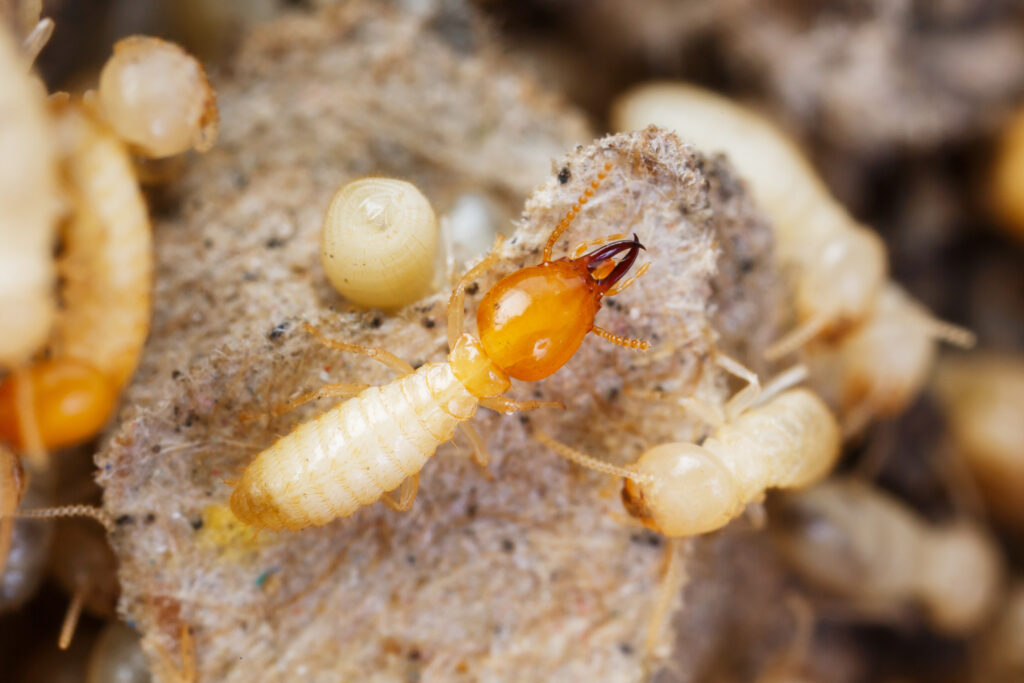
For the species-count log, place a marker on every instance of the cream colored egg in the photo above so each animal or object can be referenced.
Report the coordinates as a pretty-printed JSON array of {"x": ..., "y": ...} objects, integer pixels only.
[
  {"x": 379, "y": 243},
  {"x": 156, "y": 97}
]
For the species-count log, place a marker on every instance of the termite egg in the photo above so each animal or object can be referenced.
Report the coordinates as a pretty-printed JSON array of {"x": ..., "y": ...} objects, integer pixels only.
[
  {"x": 379, "y": 243},
  {"x": 156, "y": 96}
]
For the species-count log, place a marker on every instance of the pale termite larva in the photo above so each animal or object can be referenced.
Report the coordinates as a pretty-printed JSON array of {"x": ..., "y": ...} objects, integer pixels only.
[
  {"x": 156, "y": 97},
  {"x": 357, "y": 452},
  {"x": 379, "y": 243},
  {"x": 682, "y": 489},
  {"x": 856, "y": 542},
  {"x": 839, "y": 266},
  {"x": 107, "y": 269},
  {"x": 107, "y": 266},
  {"x": 981, "y": 395},
  {"x": 29, "y": 206}
]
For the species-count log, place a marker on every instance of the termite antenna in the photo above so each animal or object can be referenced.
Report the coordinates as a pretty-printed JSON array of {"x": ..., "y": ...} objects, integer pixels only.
[
  {"x": 574, "y": 210},
  {"x": 948, "y": 332},
  {"x": 97, "y": 513},
  {"x": 585, "y": 460}
]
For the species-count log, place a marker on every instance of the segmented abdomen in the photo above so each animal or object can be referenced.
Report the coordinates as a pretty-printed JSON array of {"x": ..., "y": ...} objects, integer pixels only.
[{"x": 350, "y": 455}]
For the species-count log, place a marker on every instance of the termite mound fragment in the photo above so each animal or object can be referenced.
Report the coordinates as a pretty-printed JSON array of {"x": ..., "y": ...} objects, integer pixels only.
[{"x": 497, "y": 575}]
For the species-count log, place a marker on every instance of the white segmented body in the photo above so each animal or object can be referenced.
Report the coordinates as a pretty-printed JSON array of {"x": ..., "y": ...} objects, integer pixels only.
[
  {"x": 107, "y": 266},
  {"x": 840, "y": 264},
  {"x": 788, "y": 442},
  {"x": 29, "y": 204},
  {"x": 352, "y": 454}
]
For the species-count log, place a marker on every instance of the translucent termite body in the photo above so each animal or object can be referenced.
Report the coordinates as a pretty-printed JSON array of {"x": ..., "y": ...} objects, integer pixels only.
[
  {"x": 839, "y": 266},
  {"x": 530, "y": 323},
  {"x": 861, "y": 544},
  {"x": 682, "y": 489}
]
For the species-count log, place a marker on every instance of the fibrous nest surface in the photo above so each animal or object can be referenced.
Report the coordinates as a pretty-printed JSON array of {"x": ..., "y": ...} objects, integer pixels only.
[{"x": 527, "y": 571}]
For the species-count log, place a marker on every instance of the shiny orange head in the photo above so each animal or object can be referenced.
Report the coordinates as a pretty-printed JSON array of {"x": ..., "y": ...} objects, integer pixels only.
[{"x": 533, "y": 320}]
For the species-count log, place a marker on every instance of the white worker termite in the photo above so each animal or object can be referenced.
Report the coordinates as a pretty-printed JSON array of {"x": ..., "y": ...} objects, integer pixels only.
[
  {"x": 774, "y": 439},
  {"x": 882, "y": 559},
  {"x": 839, "y": 266}
]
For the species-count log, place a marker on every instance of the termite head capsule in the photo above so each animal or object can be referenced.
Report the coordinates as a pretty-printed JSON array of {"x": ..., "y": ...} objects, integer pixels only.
[
  {"x": 533, "y": 320},
  {"x": 673, "y": 468}
]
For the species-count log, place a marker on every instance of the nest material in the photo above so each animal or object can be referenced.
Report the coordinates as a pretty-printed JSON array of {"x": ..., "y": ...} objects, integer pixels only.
[{"x": 529, "y": 571}]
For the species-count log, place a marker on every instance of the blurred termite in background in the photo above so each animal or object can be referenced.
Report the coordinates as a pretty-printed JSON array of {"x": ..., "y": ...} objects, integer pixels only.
[
  {"x": 869, "y": 337},
  {"x": 877, "y": 555},
  {"x": 982, "y": 395}
]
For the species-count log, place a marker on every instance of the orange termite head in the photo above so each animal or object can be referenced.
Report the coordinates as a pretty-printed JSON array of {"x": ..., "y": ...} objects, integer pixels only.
[{"x": 533, "y": 320}]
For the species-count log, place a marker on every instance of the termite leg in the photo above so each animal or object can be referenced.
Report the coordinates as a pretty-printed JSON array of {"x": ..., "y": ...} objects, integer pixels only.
[
  {"x": 338, "y": 390},
  {"x": 574, "y": 211},
  {"x": 503, "y": 404},
  {"x": 674, "y": 578},
  {"x": 67, "y": 629},
  {"x": 797, "y": 337},
  {"x": 617, "y": 289},
  {"x": 480, "y": 455},
  {"x": 380, "y": 355},
  {"x": 583, "y": 247},
  {"x": 635, "y": 344},
  {"x": 456, "y": 312},
  {"x": 406, "y": 495},
  {"x": 745, "y": 397},
  {"x": 28, "y": 425}
]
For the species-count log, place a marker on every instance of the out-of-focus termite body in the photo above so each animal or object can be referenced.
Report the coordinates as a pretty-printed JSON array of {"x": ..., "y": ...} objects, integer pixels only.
[
  {"x": 876, "y": 338},
  {"x": 981, "y": 395},
  {"x": 839, "y": 266},
  {"x": 530, "y": 324},
  {"x": 681, "y": 489},
  {"x": 877, "y": 554},
  {"x": 29, "y": 206},
  {"x": 107, "y": 272},
  {"x": 881, "y": 365}
]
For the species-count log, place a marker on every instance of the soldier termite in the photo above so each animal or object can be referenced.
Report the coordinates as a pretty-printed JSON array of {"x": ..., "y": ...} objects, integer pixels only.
[{"x": 530, "y": 323}]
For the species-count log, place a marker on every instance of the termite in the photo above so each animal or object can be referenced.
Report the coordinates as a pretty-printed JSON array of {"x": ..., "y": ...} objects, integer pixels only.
[
  {"x": 106, "y": 269},
  {"x": 872, "y": 550},
  {"x": 530, "y": 324},
  {"x": 839, "y": 265},
  {"x": 981, "y": 396},
  {"x": 788, "y": 440},
  {"x": 881, "y": 365},
  {"x": 29, "y": 206}
]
